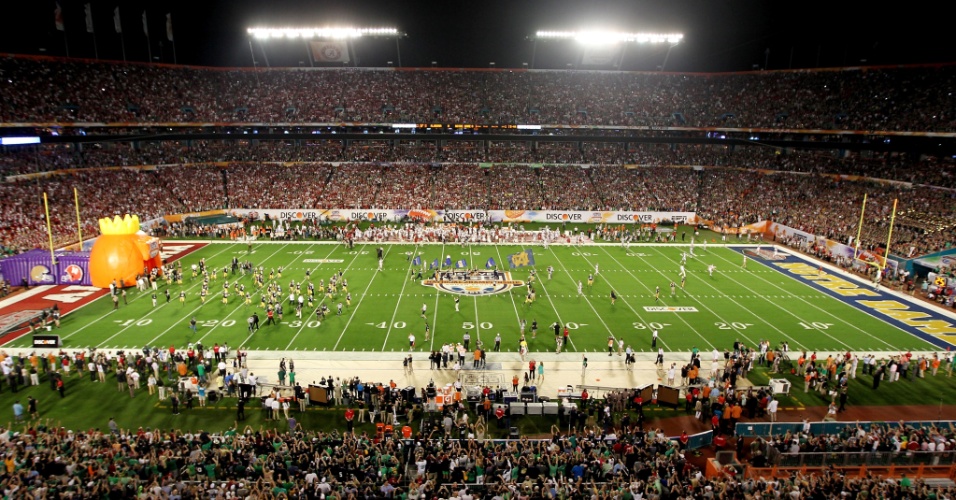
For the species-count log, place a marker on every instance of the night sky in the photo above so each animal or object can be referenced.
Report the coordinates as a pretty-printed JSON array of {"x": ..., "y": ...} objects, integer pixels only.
[{"x": 720, "y": 35}]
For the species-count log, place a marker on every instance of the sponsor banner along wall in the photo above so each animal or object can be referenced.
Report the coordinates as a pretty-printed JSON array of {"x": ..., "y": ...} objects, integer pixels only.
[
  {"x": 468, "y": 216},
  {"x": 592, "y": 217}
]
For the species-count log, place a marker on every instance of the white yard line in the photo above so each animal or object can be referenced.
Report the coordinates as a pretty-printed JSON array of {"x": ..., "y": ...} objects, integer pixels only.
[
  {"x": 606, "y": 327},
  {"x": 829, "y": 314},
  {"x": 431, "y": 347},
  {"x": 138, "y": 296},
  {"x": 550, "y": 301},
  {"x": 739, "y": 331},
  {"x": 319, "y": 305},
  {"x": 400, "y": 295},
  {"x": 513, "y": 303},
  {"x": 241, "y": 301},
  {"x": 471, "y": 258},
  {"x": 357, "y": 305},
  {"x": 188, "y": 315},
  {"x": 25, "y": 295},
  {"x": 682, "y": 320}
]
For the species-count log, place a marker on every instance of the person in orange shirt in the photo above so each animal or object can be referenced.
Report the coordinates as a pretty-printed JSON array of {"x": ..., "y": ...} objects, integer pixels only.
[
  {"x": 935, "y": 364},
  {"x": 477, "y": 358},
  {"x": 735, "y": 414},
  {"x": 514, "y": 383}
]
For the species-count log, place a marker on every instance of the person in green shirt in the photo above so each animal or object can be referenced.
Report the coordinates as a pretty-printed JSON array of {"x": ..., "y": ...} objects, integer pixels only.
[{"x": 905, "y": 482}]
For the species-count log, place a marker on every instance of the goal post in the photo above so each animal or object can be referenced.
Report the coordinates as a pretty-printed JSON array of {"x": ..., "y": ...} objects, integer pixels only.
[{"x": 880, "y": 261}]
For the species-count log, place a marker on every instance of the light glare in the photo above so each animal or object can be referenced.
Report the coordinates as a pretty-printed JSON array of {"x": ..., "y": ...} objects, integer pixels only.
[
  {"x": 608, "y": 37},
  {"x": 338, "y": 33}
]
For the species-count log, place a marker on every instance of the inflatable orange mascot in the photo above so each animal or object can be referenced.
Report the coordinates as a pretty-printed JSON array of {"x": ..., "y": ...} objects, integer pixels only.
[{"x": 122, "y": 252}]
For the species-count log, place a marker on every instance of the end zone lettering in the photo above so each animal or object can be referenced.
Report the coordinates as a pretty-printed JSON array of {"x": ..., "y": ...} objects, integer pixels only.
[
  {"x": 563, "y": 217},
  {"x": 831, "y": 282}
]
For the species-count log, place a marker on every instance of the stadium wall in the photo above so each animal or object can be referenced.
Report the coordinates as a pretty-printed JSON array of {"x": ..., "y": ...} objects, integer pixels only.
[{"x": 468, "y": 216}]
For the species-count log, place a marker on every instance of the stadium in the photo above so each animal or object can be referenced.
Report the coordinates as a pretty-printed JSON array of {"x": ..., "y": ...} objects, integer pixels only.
[{"x": 314, "y": 269}]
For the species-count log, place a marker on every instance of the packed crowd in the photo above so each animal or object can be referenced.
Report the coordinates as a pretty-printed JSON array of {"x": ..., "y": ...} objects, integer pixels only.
[
  {"x": 251, "y": 463},
  {"x": 892, "y": 99},
  {"x": 929, "y": 170},
  {"x": 824, "y": 205},
  {"x": 855, "y": 438},
  {"x": 598, "y": 447}
]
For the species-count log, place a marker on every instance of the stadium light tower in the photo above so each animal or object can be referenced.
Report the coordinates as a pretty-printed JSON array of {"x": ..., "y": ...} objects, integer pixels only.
[
  {"x": 605, "y": 42},
  {"x": 326, "y": 44}
]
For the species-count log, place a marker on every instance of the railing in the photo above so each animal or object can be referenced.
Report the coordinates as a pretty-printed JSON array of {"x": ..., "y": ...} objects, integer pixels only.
[
  {"x": 870, "y": 459},
  {"x": 766, "y": 429}
]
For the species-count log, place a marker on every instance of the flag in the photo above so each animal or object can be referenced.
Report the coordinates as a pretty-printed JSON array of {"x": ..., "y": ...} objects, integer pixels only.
[
  {"x": 145, "y": 25},
  {"x": 169, "y": 26},
  {"x": 89, "y": 17},
  {"x": 417, "y": 261},
  {"x": 434, "y": 264},
  {"x": 522, "y": 258},
  {"x": 448, "y": 260},
  {"x": 490, "y": 263},
  {"x": 325, "y": 51},
  {"x": 58, "y": 18},
  {"x": 116, "y": 21},
  {"x": 461, "y": 263}
]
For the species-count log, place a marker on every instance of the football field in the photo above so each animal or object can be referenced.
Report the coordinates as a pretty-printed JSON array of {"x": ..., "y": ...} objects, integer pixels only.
[{"x": 777, "y": 297}]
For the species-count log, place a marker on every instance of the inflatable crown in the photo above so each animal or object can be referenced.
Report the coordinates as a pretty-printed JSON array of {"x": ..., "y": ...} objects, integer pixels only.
[{"x": 127, "y": 225}]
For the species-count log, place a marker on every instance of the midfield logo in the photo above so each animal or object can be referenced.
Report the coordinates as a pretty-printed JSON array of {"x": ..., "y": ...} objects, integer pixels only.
[{"x": 473, "y": 282}]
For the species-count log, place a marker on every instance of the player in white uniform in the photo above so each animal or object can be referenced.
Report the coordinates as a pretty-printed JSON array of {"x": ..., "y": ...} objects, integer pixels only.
[
  {"x": 710, "y": 269},
  {"x": 580, "y": 288}
]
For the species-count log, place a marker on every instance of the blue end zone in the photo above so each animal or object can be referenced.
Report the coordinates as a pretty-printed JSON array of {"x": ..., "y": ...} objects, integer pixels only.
[{"x": 908, "y": 315}]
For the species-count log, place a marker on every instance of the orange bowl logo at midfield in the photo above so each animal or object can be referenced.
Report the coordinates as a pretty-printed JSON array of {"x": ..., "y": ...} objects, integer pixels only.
[{"x": 474, "y": 283}]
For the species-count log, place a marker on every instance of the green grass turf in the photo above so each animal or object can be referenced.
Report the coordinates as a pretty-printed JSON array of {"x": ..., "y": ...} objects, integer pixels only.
[
  {"x": 734, "y": 304},
  {"x": 927, "y": 391}
]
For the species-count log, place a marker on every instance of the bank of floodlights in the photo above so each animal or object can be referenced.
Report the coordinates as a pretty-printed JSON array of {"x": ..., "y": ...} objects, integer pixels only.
[
  {"x": 335, "y": 33},
  {"x": 609, "y": 37}
]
